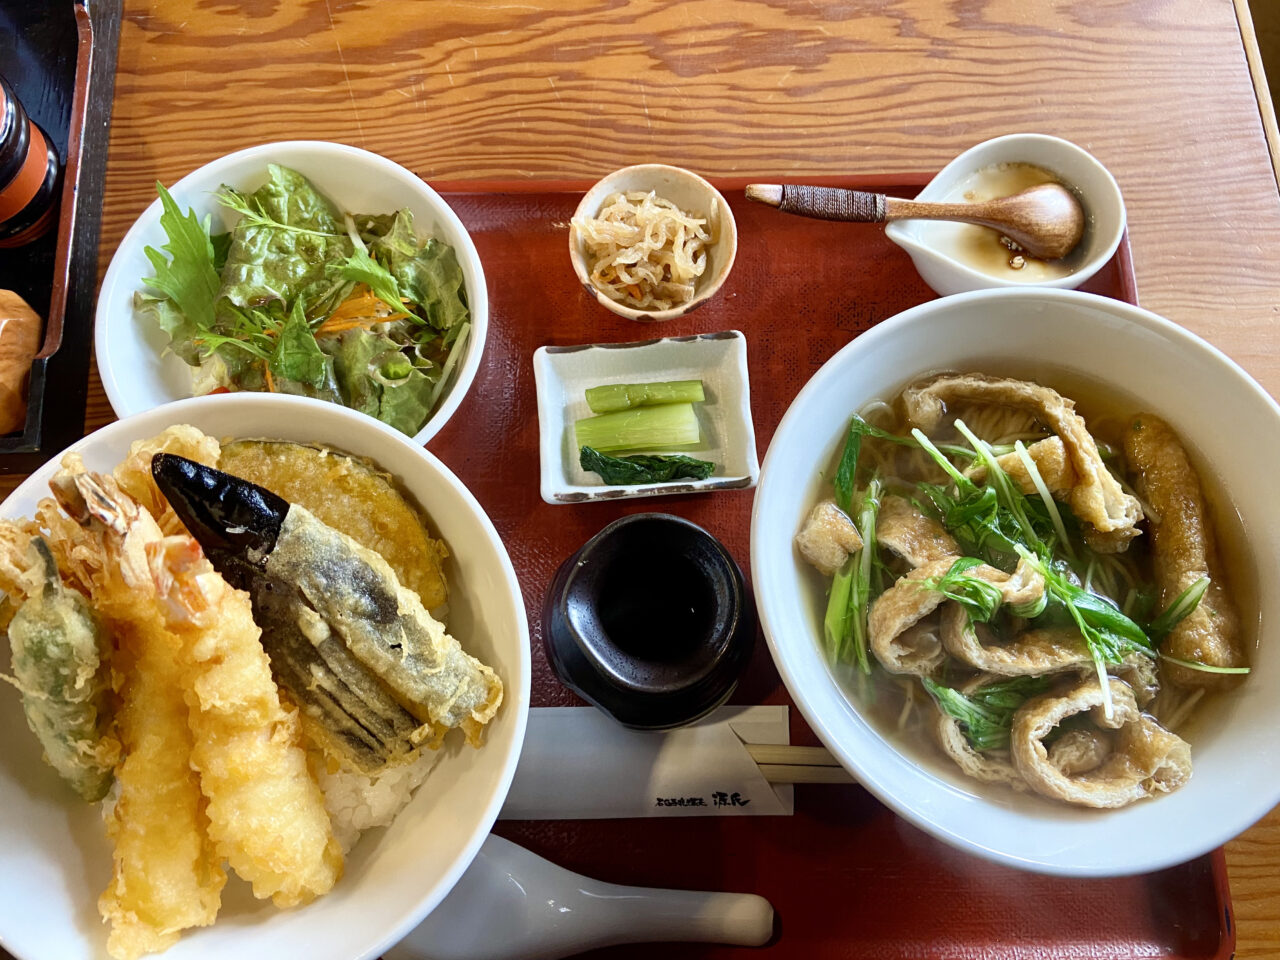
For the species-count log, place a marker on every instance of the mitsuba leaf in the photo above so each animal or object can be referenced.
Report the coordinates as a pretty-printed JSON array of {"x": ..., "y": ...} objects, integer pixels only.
[
  {"x": 164, "y": 313},
  {"x": 187, "y": 276},
  {"x": 625, "y": 471},
  {"x": 1181, "y": 607},
  {"x": 986, "y": 714},
  {"x": 979, "y": 597},
  {"x": 362, "y": 268}
]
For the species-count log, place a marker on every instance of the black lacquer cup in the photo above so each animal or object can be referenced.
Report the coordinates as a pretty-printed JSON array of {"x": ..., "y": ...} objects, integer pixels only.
[{"x": 650, "y": 621}]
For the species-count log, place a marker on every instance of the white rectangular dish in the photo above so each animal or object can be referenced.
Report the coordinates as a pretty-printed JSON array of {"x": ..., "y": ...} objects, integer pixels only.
[{"x": 719, "y": 360}]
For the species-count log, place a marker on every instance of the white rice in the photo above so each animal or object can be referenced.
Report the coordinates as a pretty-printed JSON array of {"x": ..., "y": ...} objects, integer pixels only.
[{"x": 357, "y": 802}]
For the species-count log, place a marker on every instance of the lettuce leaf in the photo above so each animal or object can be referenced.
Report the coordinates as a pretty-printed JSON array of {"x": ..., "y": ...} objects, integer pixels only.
[
  {"x": 376, "y": 377},
  {"x": 353, "y": 352},
  {"x": 406, "y": 402},
  {"x": 389, "y": 235},
  {"x": 287, "y": 235},
  {"x": 432, "y": 279},
  {"x": 297, "y": 355}
]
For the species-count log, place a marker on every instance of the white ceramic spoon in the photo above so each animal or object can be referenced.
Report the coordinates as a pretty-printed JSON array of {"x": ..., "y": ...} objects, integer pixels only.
[{"x": 514, "y": 905}]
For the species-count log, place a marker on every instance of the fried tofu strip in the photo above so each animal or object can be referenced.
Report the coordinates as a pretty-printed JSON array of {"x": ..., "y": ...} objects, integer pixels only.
[
  {"x": 167, "y": 876},
  {"x": 828, "y": 538},
  {"x": 266, "y": 813},
  {"x": 1182, "y": 542},
  {"x": 914, "y": 537},
  {"x": 1052, "y": 463},
  {"x": 1096, "y": 495}
]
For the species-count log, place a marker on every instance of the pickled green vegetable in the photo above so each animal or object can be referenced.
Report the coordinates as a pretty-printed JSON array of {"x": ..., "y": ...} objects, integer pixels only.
[
  {"x": 644, "y": 428},
  {"x": 624, "y": 396},
  {"x": 624, "y": 471}
]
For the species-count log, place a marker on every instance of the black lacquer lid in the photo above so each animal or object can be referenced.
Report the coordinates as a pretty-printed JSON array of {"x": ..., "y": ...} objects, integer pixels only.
[{"x": 649, "y": 621}]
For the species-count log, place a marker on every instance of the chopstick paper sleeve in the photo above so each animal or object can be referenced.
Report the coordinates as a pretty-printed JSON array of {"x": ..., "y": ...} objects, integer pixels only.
[{"x": 579, "y": 764}]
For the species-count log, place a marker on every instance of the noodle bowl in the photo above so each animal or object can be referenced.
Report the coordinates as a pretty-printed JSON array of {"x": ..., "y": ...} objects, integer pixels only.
[{"x": 1131, "y": 355}]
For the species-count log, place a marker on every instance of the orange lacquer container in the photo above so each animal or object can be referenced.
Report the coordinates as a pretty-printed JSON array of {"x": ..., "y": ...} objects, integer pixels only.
[{"x": 29, "y": 174}]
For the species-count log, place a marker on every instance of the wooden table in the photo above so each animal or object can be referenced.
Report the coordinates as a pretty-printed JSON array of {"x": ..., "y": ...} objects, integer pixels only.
[{"x": 1159, "y": 90}]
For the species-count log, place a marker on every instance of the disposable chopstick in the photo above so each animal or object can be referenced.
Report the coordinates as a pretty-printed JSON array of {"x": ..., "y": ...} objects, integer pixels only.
[
  {"x": 781, "y": 763},
  {"x": 793, "y": 773}
]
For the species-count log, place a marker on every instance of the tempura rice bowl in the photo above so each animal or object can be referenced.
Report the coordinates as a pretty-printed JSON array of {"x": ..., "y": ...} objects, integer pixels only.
[
  {"x": 57, "y": 857},
  {"x": 1232, "y": 429}
]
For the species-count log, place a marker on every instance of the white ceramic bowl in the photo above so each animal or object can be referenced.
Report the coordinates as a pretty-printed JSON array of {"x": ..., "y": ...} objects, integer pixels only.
[
  {"x": 1097, "y": 190},
  {"x": 1229, "y": 422},
  {"x": 137, "y": 371},
  {"x": 56, "y": 856},
  {"x": 692, "y": 194}
]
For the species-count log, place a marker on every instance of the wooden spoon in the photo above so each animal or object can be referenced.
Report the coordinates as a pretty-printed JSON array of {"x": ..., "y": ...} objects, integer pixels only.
[{"x": 1046, "y": 221}]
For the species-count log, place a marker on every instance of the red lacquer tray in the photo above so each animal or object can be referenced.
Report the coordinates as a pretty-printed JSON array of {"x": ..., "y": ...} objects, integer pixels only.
[{"x": 847, "y": 877}]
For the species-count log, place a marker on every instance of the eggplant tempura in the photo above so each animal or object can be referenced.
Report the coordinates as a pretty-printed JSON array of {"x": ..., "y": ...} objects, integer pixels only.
[
  {"x": 991, "y": 577},
  {"x": 141, "y": 665}
]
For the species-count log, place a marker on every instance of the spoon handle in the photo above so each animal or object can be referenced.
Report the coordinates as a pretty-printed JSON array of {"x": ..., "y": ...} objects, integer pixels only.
[{"x": 822, "y": 203}]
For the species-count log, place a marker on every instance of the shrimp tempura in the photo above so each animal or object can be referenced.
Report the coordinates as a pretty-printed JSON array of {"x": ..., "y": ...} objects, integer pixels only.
[
  {"x": 167, "y": 876},
  {"x": 266, "y": 813}
]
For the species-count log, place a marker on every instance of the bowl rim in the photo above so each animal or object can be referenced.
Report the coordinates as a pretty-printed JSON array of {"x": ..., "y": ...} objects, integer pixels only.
[
  {"x": 516, "y": 696},
  {"x": 1216, "y": 834},
  {"x": 728, "y": 237},
  {"x": 900, "y": 235},
  {"x": 477, "y": 299}
]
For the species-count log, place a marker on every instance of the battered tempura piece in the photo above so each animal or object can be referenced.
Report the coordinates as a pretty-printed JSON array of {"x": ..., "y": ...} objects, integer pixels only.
[
  {"x": 134, "y": 472},
  {"x": 266, "y": 813},
  {"x": 337, "y": 622},
  {"x": 356, "y": 594},
  {"x": 167, "y": 876},
  {"x": 58, "y": 650}
]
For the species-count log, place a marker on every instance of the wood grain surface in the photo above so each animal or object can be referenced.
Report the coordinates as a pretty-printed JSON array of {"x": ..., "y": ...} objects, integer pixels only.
[{"x": 1159, "y": 90}]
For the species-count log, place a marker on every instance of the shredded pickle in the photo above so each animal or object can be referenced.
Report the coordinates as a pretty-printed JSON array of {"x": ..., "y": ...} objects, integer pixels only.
[{"x": 644, "y": 251}]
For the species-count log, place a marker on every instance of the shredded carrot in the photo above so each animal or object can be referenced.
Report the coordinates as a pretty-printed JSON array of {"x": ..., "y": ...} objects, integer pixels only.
[
  {"x": 329, "y": 328},
  {"x": 271, "y": 384},
  {"x": 358, "y": 310}
]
